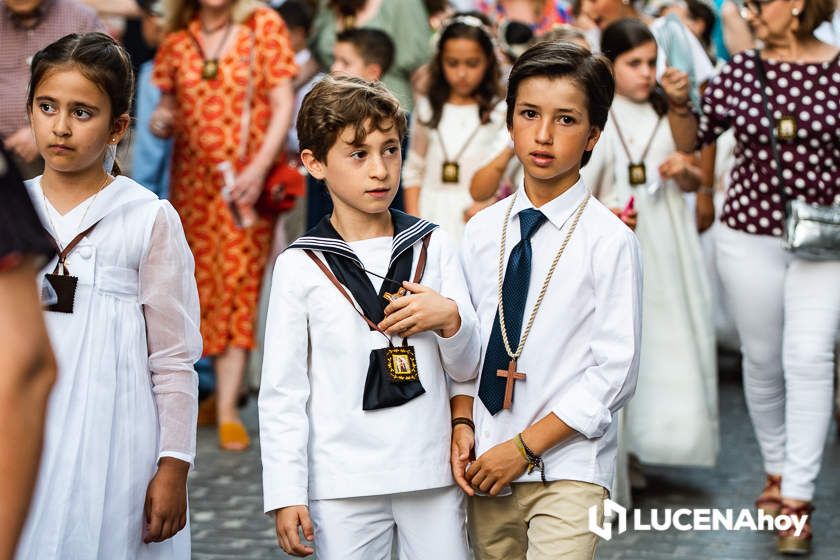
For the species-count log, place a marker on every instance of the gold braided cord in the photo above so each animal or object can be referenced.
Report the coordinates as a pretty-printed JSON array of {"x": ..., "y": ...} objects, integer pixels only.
[{"x": 515, "y": 355}]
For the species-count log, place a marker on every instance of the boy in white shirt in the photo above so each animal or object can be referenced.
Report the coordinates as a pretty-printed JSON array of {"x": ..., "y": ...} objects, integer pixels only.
[
  {"x": 354, "y": 427},
  {"x": 561, "y": 355}
]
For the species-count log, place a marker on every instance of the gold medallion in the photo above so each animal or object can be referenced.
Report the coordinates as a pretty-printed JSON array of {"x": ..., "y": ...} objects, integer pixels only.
[
  {"x": 210, "y": 69},
  {"x": 450, "y": 172},
  {"x": 786, "y": 128},
  {"x": 637, "y": 174}
]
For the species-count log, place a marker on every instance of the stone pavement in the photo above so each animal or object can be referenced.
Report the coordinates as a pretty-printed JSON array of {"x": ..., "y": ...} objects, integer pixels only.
[{"x": 227, "y": 519}]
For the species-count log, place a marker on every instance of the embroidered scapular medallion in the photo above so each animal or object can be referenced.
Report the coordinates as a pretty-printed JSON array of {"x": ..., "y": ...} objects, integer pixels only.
[
  {"x": 62, "y": 292},
  {"x": 401, "y": 363},
  {"x": 450, "y": 172},
  {"x": 210, "y": 69},
  {"x": 786, "y": 128},
  {"x": 637, "y": 174}
]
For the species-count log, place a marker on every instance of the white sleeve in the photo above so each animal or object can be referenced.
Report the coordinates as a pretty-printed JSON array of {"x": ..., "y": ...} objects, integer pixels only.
[
  {"x": 414, "y": 170},
  {"x": 461, "y": 352},
  {"x": 468, "y": 387},
  {"x": 588, "y": 405},
  {"x": 169, "y": 297},
  {"x": 284, "y": 391}
]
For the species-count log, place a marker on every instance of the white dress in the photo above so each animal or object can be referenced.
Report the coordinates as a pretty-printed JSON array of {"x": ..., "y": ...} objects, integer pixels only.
[
  {"x": 126, "y": 392},
  {"x": 673, "y": 417},
  {"x": 444, "y": 203}
]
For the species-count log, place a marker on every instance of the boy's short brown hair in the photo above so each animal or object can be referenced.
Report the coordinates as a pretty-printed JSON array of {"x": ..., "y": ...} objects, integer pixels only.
[{"x": 338, "y": 102}]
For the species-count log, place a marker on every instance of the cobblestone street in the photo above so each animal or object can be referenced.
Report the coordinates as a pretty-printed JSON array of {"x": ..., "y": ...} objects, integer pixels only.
[{"x": 227, "y": 519}]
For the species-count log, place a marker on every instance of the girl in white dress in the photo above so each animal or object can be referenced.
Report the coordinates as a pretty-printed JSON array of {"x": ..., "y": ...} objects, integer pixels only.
[
  {"x": 673, "y": 417},
  {"x": 457, "y": 128},
  {"x": 123, "y": 319}
]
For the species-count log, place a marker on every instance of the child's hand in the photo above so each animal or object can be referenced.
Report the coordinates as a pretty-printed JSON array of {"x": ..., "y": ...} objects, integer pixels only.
[
  {"x": 422, "y": 310},
  {"x": 497, "y": 468},
  {"x": 675, "y": 83},
  {"x": 286, "y": 523},
  {"x": 165, "y": 510},
  {"x": 629, "y": 217},
  {"x": 463, "y": 449}
]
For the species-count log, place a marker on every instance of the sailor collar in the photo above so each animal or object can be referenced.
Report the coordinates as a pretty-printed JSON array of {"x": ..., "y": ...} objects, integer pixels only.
[{"x": 408, "y": 230}]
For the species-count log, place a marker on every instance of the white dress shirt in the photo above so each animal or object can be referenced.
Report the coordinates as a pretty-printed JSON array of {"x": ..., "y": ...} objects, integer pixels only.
[
  {"x": 316, "y": 441},
  {"x": 581, "y": 358}
]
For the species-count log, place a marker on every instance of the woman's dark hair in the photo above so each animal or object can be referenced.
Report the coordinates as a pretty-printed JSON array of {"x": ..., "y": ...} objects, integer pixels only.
[
  {"x": 591, "y": 73},
  {"x": 465, "y": 25},
  {"x": 698, "y": 9},
  {"x": 99, "y": 58},
  {"x": 625, "y": 35}
]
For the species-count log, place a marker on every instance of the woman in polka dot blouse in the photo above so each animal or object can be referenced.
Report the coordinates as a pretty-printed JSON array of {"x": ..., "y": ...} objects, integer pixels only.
[{"x": 787, "y": 310}]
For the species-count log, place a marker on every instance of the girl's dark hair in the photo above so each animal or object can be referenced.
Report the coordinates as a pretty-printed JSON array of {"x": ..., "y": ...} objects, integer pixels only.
[
  {"x": 698, "y": 9},
  {"x": 99, "y": 58},
  {"x": 625, "y": 35},
  {"x": 465, "y": 25}
]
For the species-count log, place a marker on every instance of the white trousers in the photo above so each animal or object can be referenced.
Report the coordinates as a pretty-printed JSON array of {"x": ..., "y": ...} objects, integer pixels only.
[
  {"x": 787, "y": 312},
  {"x": 430, "y": 525}
]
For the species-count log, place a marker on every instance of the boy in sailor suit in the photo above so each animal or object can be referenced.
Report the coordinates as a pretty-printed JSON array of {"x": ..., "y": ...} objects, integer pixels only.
[{"x": 354, "y": 411}]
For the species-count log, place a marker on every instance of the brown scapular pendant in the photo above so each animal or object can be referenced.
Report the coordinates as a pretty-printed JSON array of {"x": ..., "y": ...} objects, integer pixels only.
[
  {"x": 451, "y": 172},
  {"x": 637, "y": 174},
  {"x": 210, "y": 69}
]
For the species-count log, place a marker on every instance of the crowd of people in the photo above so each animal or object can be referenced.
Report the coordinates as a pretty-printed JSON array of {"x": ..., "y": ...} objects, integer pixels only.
[{"x": 375, "y": 204}]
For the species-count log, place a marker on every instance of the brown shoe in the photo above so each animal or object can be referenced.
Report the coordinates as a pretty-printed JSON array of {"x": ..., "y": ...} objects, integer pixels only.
[
  {"x": 770, "y": 501},
  {"x": 790, "y": 543}
]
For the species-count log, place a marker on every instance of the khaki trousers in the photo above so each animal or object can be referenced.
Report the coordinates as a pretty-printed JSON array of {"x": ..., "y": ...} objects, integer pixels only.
[{"x": 536, "y": 522}]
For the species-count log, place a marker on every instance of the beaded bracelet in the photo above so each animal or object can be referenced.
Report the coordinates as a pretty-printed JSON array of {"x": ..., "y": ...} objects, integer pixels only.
[
  {"x": 464, "y": 421},
  {"x": 534, "y": 460}
]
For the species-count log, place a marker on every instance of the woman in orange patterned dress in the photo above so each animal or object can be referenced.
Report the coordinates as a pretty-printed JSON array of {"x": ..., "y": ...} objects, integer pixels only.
[{"x": 217, "y": 55}]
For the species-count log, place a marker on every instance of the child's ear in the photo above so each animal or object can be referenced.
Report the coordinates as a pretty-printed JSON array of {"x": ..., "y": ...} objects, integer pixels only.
[
  {"x": 313, "y": 165},
  {"x": 594, "y": 135},
  {"x": 372, "y": 72},
  {"x": 121, "y": 125}
]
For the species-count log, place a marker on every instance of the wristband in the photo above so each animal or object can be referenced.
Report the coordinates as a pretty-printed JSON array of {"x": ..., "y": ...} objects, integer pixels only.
[
  {"x": 464, "y": 421},
  {"x": 534, "y": 460}
]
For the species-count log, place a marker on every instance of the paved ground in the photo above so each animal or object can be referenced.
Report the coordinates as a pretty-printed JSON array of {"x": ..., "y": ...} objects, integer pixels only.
[{"x": 227, "y": 519}]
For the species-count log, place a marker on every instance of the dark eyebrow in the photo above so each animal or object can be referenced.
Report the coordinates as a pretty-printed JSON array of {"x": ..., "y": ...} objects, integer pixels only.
[
  {"x": 74, "y": 103},
  {"x": 557, "y": 110}
]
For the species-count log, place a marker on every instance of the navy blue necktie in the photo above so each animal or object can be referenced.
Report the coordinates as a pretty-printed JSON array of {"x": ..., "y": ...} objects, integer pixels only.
[{"x": 491, "y": 389}]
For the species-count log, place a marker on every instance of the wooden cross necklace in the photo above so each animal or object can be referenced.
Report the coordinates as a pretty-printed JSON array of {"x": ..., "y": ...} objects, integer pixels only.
[{"x": 510, "y": 374}]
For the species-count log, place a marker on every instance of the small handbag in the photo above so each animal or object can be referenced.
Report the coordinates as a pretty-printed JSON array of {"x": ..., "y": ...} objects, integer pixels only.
[
  {"x": 810, "y": 231},
  {"x": 392, "y": 377},
  {"x": 284, "y": 182}
]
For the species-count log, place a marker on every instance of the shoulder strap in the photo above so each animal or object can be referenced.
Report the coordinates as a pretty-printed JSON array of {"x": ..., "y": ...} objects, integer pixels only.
[
  {"x": 762, "y": 83},
  {"x": 62, "y": 256},
  {"x": 421, "y": 261}
]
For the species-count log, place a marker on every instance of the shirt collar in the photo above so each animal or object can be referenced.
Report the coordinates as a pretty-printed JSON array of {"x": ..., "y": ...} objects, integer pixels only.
[{"x": 557, "y": 210}]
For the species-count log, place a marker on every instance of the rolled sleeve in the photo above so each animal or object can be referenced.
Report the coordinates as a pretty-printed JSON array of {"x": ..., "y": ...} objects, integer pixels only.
[{"x": 589, "y": 403}]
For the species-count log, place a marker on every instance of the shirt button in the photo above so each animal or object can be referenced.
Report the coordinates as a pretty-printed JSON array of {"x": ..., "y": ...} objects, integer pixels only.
[{"x": 85, "y": 252}]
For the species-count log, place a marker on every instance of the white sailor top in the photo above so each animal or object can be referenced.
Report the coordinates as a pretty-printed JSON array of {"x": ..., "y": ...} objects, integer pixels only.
[{"x": 316, "y": 441}]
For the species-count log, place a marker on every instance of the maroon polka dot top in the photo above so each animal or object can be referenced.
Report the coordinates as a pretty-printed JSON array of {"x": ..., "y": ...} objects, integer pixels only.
[{"x": 810, "y": 161}]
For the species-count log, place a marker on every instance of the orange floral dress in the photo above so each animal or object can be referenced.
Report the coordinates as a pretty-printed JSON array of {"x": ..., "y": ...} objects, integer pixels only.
[{"x": 229, "y": 261}]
